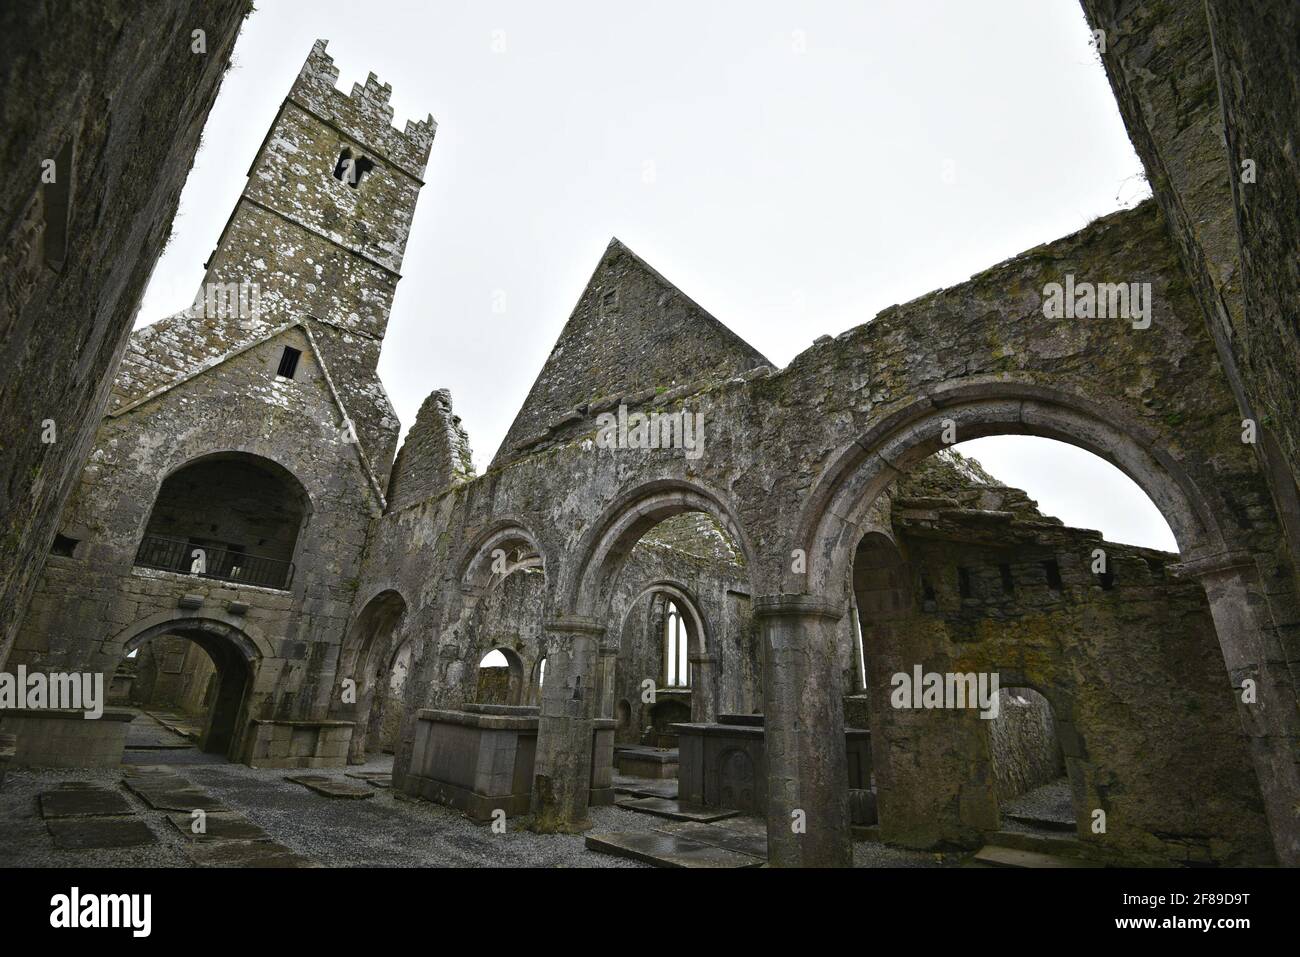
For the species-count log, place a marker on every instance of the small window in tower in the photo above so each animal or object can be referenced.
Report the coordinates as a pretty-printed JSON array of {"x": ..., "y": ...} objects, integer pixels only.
[
  {"x": 351, "y": 170},
  {"x": 63, "y": 545},
  {"x": 288, "y": 362}
]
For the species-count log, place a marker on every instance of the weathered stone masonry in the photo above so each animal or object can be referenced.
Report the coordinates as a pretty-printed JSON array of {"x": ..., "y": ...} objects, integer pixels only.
[{"x": 811, "y": 497}]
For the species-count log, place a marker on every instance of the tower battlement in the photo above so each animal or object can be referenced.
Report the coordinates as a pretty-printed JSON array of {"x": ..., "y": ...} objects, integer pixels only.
[{"x": 365, "y": 114}]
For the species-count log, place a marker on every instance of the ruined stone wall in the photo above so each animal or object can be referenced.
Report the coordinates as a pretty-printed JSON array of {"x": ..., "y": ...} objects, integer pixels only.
[
  {"x": 1128, "y": 661},
  {"x": 435, "y": 455},
  {"x": 86, "y": 604},
  {"x": 114, "y": 93},
  {"x": 1258, "y": 60},
  {"x": 631, "y": 337},
  {"x": 1176, "y": 81}
]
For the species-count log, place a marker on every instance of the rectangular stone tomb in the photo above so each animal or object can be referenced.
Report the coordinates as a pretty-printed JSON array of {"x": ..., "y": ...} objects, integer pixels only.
[
  {"x": 724, "y": 764},
  {"x": 65, "y": 738},
  {"x": 298, "y": 744},
  {"x": 480, "y": 759}
]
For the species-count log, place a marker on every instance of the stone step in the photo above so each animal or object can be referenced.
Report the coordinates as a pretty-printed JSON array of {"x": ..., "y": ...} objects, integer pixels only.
[{"x": 992, "y": 855}]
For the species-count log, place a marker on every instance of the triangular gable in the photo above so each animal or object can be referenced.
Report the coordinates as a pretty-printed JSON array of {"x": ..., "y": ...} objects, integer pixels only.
[
  {"x": 243, "y": 347},
  {"x": 632, "y": 330}
]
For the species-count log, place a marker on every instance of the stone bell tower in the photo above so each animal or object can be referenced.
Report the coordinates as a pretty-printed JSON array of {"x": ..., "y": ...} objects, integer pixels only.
[{"x": 321, "y": 227}]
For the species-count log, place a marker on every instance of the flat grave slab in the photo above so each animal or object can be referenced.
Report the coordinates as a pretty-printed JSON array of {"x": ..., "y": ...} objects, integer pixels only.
[
  {"x": 99, "y": 832},
  {"x": 219, "y": 827},
  {"x": 331, "y": 787},
  {"x": 82, "y": 802},
  {"x": 718, "y": 835},
  {"x": 646, "y": 787},
  {"x": 379, "y": 779},
  {"x": 667, "y": 850},
  {"x": 245, "y": 854},
  {"x": 169, "y": 797},
  {"x": 676, "y": 810}
]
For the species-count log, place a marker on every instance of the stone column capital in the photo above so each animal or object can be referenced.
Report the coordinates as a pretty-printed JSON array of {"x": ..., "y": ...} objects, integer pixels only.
[{"x": 790, "y": 605}]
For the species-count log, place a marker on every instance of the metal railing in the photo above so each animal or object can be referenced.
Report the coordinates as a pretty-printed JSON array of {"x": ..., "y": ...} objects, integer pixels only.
[{"x": 205, "y": 561}]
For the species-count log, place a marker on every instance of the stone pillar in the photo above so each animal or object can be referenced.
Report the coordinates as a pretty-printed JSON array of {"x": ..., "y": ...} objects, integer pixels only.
[
  {"x": 704, "y": 690},
  {"x": 807, "y": 768},
  {"x": 606, "y": 668},
  {"x": 1253, "y": 652},
  {"x": 570, "y": 699}
]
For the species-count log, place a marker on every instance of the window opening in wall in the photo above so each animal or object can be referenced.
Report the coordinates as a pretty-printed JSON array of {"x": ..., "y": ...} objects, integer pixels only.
[
  {"x": 678, "y": 671},
  {"x": 963, "y": 583},
  {"x": 288, "y": 362},
  {"x": 63, "y": 546},
  {"x": 1008, "y": 584},
  {"x": 1053, "y": 572},
  {"x": 352, "y": 170}
]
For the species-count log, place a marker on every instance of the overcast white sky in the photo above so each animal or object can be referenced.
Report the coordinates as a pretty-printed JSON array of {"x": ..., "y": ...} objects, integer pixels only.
[{"x": 794, "y": 167}]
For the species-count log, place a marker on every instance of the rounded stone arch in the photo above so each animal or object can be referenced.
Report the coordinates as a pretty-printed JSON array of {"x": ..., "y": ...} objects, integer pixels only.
[
  {"x": 262, "y": 457},
  {"x": 366, "y": 657},
  {"x": 472, "y": 568},
  {"x": 196, "y": 494},
  {"x": 235, "y": 655},
  {"x": 611, "y": 539},
  {"x": 1215, "y": 551},
  {"x": 698, "y": 630},
  {"x": 705, "y": 690},
  {"x": 838, "y": 510},
  {"x": 248, "y": 638},
  {"x": 516, "y": 689}
]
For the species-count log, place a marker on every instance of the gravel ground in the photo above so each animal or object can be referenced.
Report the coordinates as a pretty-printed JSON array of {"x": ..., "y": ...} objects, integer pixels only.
[
  {"x": 1052, "y": 801},
  {"x": 382, "y": 831}
]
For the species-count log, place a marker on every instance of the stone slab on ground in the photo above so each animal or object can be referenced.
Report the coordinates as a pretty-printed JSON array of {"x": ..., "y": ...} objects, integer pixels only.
[
  {"x": 245, "y": 854},
  {"x": 728, "y": 838},
  {"x": 99, "y": 832},
  {"x": 82, "y": 802},
  {"x": 667, "y": 850},
  {"x": 993, "y": 856},
  {"x": 379, "y": 779},
  {"x": 645, "y": 787},
  {"x": 331, "y": 787},
  {"x": 230, "y": 826},
  {"x": 179, "y": 799},
  {"x": 676, "y": 810}
]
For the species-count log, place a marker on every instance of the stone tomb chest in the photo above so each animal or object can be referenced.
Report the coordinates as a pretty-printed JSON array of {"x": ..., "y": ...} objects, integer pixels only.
[
  {"x": 480, "y": 759},
  {"x": 723, "y": 764}
]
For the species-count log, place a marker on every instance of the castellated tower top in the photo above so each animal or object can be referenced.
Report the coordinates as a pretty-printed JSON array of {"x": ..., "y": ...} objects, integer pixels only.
[{"x": 365, "y": 115}]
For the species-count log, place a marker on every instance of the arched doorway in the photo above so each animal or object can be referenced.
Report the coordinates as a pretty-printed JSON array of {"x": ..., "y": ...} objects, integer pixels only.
[
  {"x": 1091, "y": 653},
  {"x": 367, "y": 665},
  {"x": 214, "y": 677},
  {"x": 500, "y": 678}
]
